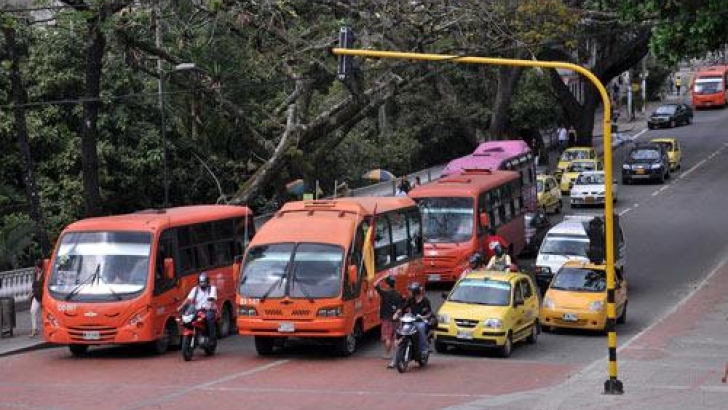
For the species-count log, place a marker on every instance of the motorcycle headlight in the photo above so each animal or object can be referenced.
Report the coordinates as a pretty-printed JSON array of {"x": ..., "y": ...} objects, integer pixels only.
[
  {"x": 596, "y": 306},
  {"x": 493, "y": 323},
  {"x": 656, "y": 166},
  {"x": 330, "y": 311},
  {"x": 548, "y": 303},
  {"x": 247, "y": 311},
  {"x": 444, "y": 319}
]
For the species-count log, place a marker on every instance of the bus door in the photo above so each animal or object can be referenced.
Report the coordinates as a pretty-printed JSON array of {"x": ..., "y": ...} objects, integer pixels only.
[{"x": 167, "y": 297}]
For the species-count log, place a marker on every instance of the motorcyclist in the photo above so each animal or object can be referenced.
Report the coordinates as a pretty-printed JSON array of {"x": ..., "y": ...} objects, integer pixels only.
[
  {"x": 418, "y": 305},
  {"x": 499, "y": 261},
  {"x": 203, "y": 297},
  {"x": 491, "y": 240}
]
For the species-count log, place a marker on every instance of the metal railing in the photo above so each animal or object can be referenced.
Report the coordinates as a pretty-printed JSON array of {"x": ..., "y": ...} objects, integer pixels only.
[{"x": 16, "y": 284}]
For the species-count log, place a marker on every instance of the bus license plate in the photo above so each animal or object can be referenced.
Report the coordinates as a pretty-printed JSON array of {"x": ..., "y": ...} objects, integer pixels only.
[
  {"x": 462, "y": 334},
  {"x": 286, "y": 327},
  {"x": 433, "y": 278},
  {"x": 570, "y": 317},
  {"x": 91, "y": 335}
]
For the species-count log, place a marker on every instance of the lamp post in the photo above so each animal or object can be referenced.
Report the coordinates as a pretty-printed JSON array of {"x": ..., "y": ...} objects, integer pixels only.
[{"x": 160, "y": 90}]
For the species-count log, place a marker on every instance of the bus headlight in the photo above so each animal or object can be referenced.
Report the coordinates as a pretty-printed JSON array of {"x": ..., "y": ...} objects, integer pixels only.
[
  {"x": 331, "y": 311},
  {"x": 137, "y": 319},
  {"x": 52, "y": 320},
  {"x": 247, "y": 311}
]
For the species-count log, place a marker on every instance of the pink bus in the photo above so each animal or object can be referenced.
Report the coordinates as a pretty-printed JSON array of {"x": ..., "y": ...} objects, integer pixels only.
[{"x": 510, "y": 155}]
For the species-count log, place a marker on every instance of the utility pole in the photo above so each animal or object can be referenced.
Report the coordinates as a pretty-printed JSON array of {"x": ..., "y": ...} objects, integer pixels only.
[
  {"x": 644, "y": 87},
  {"x": 628, "y": 74}
]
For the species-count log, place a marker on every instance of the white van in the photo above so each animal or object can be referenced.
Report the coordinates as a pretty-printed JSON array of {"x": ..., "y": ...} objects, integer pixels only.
[{"x": 568, "y": 241}]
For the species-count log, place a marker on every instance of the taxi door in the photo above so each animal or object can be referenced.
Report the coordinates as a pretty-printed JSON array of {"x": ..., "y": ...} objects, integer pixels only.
[
  {"x": 523, "y": 313},
  {"x": 677, "y": 151},
  {"x": 554, "y": 194}
]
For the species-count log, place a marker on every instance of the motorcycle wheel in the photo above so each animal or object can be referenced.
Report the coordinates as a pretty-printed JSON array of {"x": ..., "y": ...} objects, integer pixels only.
[
  {"x": 424, "y": 359},
  {"x": 402, "y": 359},
  {"x": 187, "y": 349}
]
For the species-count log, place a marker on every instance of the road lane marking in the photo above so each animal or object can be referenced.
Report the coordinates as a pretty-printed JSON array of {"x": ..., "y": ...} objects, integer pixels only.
[
  {"x": 202, "y": 386},
  {"x": 693, "y": 168},
  {"x": 639, "y": 134},
  {"x": 624, "y": 211}
]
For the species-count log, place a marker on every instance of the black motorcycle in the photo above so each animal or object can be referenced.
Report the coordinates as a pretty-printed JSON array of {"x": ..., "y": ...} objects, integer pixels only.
[
  {"x": 195, "y": 333},
  {"x": 408, "y": 343}
]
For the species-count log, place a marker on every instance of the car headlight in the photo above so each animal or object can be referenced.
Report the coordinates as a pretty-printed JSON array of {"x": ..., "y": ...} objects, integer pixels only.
[
  {"x": 493, "y": 323},
  {"x": 548, "y": 303},
  {"x": 443, "y": 319},
  {"x": 247, "y": 311},
  {"x": 656, "y": 166},
  {"x": 331, "y": 311},
  {"x": 596, "y": 306},
  {"x": 625, "y": 166}
]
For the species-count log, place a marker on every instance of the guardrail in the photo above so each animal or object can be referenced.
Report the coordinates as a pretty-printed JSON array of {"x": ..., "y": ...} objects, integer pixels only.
[{"x": 16, "y": 284}]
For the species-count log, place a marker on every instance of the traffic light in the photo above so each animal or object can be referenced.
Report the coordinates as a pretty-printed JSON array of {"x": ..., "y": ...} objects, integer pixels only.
[{"x": 346, "y": 63}]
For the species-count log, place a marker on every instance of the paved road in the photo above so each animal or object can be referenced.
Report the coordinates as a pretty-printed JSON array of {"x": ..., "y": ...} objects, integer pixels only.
[{"x": 675, "y": 232}]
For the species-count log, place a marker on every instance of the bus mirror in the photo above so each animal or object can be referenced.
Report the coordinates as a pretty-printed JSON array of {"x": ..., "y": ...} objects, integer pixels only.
[
  {"x": 484, "y": 219},
  {"x": 169, "y": 268},
  {"x": 237, "y": 265},
  {"x": 353, "y": 274},
  {"x": 46, "y": 266}
]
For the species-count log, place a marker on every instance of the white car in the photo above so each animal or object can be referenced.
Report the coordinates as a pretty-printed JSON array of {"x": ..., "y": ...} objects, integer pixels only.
[{"x": 589, "y": 189}]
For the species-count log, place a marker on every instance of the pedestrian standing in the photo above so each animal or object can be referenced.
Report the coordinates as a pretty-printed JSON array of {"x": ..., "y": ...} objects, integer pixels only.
[
  {"x": 678, "y": 83},
  {"x": 389, "y": 302},
  {"x": 404, "y": 187},
  {"x": 418, "y": 181},
  {"x": 563, "y": 138},
  {"x": 36, "y": 297},
  {"x": 572, "y": 136}
]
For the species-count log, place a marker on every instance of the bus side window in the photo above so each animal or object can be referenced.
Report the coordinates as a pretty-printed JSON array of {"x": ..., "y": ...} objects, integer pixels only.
[
  {"x": 482, "y": 207},
  {"x": 400, "y": 237},
  {"x": 167, "y": 248},
  {"x": 414, "y": 223},
  {"x": 382, "y": 243}
]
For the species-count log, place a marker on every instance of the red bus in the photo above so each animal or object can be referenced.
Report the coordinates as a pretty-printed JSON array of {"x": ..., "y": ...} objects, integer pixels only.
[
  {"x": 119, "y": 279},
  {"x": 457, "y": 210},
  {"x": 708, "y": 87},
  {"x": 304, "y": 277}
]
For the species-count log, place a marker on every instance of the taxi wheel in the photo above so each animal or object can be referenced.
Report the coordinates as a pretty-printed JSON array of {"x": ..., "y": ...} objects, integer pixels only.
[
  {"x": 535, "y": 330},
  {"x": 622, "y": 319},
  {"x": 507, "y": 348},
  {"x": 440, "y": 347}
]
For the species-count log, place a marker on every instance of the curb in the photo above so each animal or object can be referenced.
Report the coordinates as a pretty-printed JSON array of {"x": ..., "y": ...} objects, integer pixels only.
[{"x": 25, "y": 349}]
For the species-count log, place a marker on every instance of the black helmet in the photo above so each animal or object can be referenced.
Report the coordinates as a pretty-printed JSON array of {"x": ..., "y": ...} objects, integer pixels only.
[
  {"x": 203, "y": 280},
  {"x": 415, "y": 288},
  {"x": 498, "y": 250},
  {"x": 389, "y": 280},
  {"x": 476, "y": 260}
]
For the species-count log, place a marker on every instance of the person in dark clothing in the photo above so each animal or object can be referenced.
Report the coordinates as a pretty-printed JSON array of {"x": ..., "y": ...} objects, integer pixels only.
[
  {"x": 389, "y": 302},
  {"x": 404, "y": 185},
  {"x": 418, "y": 305},
  {"x": 36, "y": 295}
]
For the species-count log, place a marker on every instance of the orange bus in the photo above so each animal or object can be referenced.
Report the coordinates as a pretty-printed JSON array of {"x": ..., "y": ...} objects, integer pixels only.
[
  {"x": 708, "y": 87},
  {"x": 456, "y": 212},
  {"x": 119, "y": 279},
  {"x": 304, "y": 276}
]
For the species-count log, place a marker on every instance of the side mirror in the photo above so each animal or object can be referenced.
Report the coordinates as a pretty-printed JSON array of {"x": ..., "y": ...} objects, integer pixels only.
[
  {"x": 352, "y": 274},
  {"x": 169, "y": 268},
  {"x": 237, "y": 266},
  {"x": 46, "y": 266},
  {"x": 484, "y": 219},
  {"x": 444, "y": 295}
]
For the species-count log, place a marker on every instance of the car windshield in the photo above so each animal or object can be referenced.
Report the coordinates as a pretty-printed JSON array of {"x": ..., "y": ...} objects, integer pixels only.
[
  {"x": 305, "y": 270},
  {"x": 581, "y": 166},
  {"x": 580, "y": 280},
  {"x": 570, "y": 155},
  {"x": 539, "y": 186},
  {"x": 590, "y": 179},
  {"x": 482, "y": 292},
  {"x": 666, "y": 110},
  {"x": 565, "y": 245},
  {"x": 100, "y": 266},
  {"x": 666, "y": 145},
  {"x": 447, "y": 219},
  {"x": 644, "y": 154},
  {"x": 708, "y": 85}
]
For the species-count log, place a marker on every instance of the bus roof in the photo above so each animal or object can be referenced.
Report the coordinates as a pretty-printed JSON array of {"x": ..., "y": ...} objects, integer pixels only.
[
  {"x": 488, "y": 155},
  {"x": 712, "y": 71},
  {"x": 155, "y": 219},
  {"x": 468, "y": 183},
  {"x": 325, "y": 221}
]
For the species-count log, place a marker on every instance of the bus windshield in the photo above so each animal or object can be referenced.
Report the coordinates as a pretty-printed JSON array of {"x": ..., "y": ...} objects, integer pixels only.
[
  {"x": 304, "y": 270},
  {"x": 101, "y": 266},
  {"x": 482, "y": 292},
  {"x": 708, "y": 85},
  {"x": 447, "y": 220}
]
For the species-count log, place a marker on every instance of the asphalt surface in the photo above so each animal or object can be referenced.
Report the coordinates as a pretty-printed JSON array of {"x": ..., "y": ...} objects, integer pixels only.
[{"x": 676, "y": 234}]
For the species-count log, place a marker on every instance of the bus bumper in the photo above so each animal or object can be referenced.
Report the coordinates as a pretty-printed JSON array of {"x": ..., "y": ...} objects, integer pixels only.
[{"x": 328, "y": 327}]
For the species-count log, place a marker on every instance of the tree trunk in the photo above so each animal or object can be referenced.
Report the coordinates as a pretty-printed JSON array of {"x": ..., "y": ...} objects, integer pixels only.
[
  {"x": 89, "y": 154},
  {"x": 21, "y": 130},
  {"x": 506, "y": 84}
]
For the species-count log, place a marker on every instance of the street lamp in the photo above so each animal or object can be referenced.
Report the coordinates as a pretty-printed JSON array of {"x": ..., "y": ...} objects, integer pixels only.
[{"x": 160, "y": 89}]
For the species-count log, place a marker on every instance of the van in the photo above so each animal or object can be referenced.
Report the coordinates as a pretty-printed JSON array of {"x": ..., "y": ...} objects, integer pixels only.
[{"x": 568, "y": 241}]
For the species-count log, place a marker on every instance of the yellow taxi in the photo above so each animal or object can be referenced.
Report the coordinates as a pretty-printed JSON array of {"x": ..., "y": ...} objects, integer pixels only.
[
  {"x": 491, "y": 310},
  {"x": 573, "y": 154},
  {"x": 574, "y": 169},
  {"x": 674, "y": 151},
  {"x": 577, "y": 298},
  {"x": 549, "y": 194}
]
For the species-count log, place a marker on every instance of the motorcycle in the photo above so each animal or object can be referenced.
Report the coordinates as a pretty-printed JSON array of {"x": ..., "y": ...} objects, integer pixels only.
[
  {"x": 408, "y": 343},
  {"x": 195, "y": 333}
]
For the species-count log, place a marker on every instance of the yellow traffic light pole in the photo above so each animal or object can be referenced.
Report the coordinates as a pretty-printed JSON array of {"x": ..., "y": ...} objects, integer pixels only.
[{"x": 613, "y": 385}]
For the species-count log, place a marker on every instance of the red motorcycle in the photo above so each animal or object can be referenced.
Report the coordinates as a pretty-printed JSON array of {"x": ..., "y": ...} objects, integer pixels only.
[{"x": 195, "y": 333}]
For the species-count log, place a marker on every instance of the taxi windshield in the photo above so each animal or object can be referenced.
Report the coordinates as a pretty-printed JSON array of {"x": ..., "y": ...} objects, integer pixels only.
[
  {"x": 665, "y": 144},
  {"x": 574, "y": 154},
  {"x": 590, "y": 179},
  {"x": 482, "y": 292},
  {"x": 580, "y": 280},
  {"x": 581, "y": 166}
]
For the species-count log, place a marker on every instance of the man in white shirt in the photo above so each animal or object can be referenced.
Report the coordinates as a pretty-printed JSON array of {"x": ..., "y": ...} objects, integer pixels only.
[
  {"x": 563, "y": 138},
  {"x": 203, "y": 297}
]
